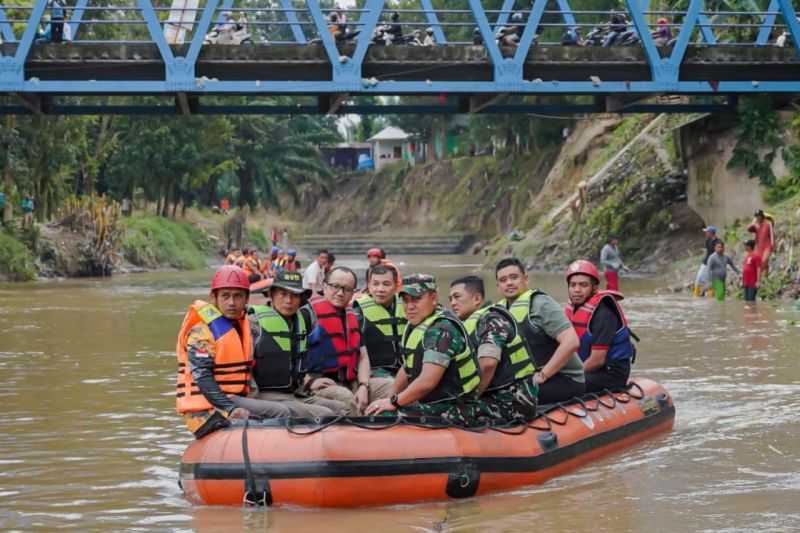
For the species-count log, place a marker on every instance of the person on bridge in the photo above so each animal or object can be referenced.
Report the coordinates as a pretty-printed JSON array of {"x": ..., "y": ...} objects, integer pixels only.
[
  {"x": 662, "y": 35},
  {"x": 506, "y": 366},
  {"x": 612, "y": 263},
  {"x": 762, "y": 227},
  {"x": 511, "y": 34},
  {"x": 395, "y": 28},
  {"x": 440, "y": 375},
  {"x": 280, "y": 337},
  {"x": 215, "y": 356},
  {"x": 56, "y": 22},
  {"x": 338, "y": 365},
  {"x": 606, "y": 348},
  {"x": 382, "y": 318},
  {"x": 549, "y": 336},
  {"x": 617, "y": 25}
]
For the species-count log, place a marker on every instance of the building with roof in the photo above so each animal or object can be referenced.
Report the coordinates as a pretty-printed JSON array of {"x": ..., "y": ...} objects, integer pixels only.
[
  {"x": 346, "y": 155},
  {"x": 391, "y": 145}
]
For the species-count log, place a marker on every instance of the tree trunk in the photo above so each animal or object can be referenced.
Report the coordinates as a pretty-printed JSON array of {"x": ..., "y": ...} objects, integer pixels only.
[
  {"x": 246, "y": 179},
  {"x": 175, "y": 200},
  {"x": 211, "y": 191},
  {"x": 165, "y": 204},
  {"x": 8, "y": 210},
  {"x": 158, "y": 202}
]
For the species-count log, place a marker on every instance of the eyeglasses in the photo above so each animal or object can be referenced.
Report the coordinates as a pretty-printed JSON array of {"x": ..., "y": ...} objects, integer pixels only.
[{"x": 340, "y": 288}]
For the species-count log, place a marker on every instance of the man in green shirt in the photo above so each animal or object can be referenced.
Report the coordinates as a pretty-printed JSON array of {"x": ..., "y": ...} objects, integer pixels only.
[
  {"x": 544, "y": 327},
  {"x": 507, "y": 388},
  {"x": 439, "y": 376}
]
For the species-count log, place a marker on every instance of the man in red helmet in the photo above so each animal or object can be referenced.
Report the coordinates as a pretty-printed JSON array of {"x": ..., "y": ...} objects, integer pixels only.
[
  {"x": 606, "y": 348},
  {"x": 374, "y": 256},
  {"x": 215, "y": 357}
]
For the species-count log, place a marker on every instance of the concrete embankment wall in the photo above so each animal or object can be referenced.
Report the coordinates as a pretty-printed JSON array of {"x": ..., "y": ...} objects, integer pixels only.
[
  {"x": 719, "y": 194},
  {"x": 394, "y": 245}
]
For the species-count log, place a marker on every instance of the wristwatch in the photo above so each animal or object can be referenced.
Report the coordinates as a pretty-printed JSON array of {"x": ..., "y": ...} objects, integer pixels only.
[{"x": 393, "y": 401}]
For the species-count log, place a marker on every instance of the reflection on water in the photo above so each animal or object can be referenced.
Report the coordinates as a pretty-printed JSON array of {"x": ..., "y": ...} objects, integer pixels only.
[{"x": 90, "y": 441}]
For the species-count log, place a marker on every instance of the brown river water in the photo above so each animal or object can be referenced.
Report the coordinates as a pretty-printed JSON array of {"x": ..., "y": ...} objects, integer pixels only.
[{"x": 89, "y": 439}]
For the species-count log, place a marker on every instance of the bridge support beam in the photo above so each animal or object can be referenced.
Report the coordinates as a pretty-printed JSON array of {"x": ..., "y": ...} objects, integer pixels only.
[
  {"x": 329, "y": 104},
  {"x": 475, "y": 103},
  {"x": 186, "y": 105},
  {"x": 36, "y": 104},
  {"x": 616, "y": 103}
]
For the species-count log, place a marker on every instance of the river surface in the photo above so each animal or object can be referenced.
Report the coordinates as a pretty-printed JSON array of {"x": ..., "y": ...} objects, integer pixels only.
[{"x": 89, "y": 439}]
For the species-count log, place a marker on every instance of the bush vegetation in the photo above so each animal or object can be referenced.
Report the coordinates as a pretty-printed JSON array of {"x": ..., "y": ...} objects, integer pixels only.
[
  {"x": 16, "y": 261},
  {"x": 152, "y": 241}
]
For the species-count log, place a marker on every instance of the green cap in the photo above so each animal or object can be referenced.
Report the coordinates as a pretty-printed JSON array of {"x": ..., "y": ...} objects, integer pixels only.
[
  {"x": 416, "y": 285},
  {"x": 291, "y": 281}
]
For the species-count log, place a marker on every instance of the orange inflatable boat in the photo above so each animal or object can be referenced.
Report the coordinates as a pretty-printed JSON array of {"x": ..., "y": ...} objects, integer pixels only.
[{"x": 386, "y": 460}]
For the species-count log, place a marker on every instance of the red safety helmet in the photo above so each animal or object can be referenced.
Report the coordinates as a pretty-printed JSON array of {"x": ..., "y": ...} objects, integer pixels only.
[
  {"x": 375, "y": 252},
  {"x": 230, "y": 277},
  {"x": 662, "y": 20},
  {"x": 582, "y": 266}
]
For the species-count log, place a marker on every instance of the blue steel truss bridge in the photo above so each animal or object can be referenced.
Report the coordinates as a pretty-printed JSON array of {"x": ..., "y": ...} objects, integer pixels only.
[{"x": 151, "y": 56}]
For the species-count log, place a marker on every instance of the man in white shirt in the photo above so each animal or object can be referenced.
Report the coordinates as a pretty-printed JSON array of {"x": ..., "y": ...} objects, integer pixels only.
[{"x": 315, "y": 273}]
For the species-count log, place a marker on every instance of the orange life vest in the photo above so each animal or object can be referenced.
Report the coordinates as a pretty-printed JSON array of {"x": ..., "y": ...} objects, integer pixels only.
[
  {"x": 250, "y": 266},
  {"x": 233, "y": 357}
]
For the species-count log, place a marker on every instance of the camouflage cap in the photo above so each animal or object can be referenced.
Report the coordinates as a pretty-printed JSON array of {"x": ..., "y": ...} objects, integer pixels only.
[
  {"x": 291, "y": 281},
  {"x": 416, "y": 285}
]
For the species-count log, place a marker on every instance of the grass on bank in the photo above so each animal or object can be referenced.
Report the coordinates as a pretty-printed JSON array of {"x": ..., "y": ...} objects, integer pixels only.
[
  {"x": 16, "y": 261},
  {"x": 152, "y": 241}
]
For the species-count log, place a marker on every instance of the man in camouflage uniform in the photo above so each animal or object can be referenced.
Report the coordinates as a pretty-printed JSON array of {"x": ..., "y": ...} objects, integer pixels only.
[
  {"x": 507, "y": 388},
  {"x": 439, "y": 376}
]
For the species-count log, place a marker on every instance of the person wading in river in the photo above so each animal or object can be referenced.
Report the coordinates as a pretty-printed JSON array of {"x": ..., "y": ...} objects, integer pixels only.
[
  {"x": 606, "y": 348},
  {"x": 762, "y": 227},
  {"x": 550, "y": 337},
  {"x": 440, "y": 374},
  {"x": 215, "y": 356}
]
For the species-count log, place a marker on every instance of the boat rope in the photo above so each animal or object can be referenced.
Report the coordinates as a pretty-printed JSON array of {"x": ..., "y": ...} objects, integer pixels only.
[
  {"x": 256, "y": 492},
  {"x": 549, "y": 416}
]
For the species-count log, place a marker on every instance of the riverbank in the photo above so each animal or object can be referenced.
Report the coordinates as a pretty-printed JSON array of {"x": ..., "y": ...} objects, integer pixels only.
[{"x": 96, "y": 240}]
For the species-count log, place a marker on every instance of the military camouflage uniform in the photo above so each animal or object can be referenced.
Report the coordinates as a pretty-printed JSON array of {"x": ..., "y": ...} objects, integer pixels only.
[
  {"x": 442, "y": 342},
  {"x": 517, "y": 401}
]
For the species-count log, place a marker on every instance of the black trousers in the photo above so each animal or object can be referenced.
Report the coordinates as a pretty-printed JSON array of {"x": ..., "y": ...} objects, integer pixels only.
[
  {"x": 559, "y": 388},
  {"x": 750, "y": 294},
  {"x": 57, "y": 30},
  {"x": 611, "y": 376}
]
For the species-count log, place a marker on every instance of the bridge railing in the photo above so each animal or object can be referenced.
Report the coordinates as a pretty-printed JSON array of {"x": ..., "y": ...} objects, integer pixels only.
[{"x": 179, "y": 34}]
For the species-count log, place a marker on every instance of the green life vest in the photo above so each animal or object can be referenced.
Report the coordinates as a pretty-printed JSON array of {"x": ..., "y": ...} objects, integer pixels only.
[
  {"x": 461, "y": 377},
  {"x": 515, "y": 361},
  {"x": 383, "y": 332},
  {"x": 279, "y": 350},
  {"x": 540, "y": 345}
]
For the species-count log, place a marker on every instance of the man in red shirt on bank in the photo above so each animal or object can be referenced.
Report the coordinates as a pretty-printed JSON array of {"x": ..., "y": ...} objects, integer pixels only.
[{"x": 750, "y": 270}]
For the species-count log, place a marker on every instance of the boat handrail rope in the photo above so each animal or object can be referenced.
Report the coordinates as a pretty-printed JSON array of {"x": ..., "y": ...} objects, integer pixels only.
[{"x": 579, "y": 407}]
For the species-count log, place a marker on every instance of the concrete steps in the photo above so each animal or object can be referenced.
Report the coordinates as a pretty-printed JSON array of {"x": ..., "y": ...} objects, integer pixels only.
[{"x": 358, "y": 244}]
